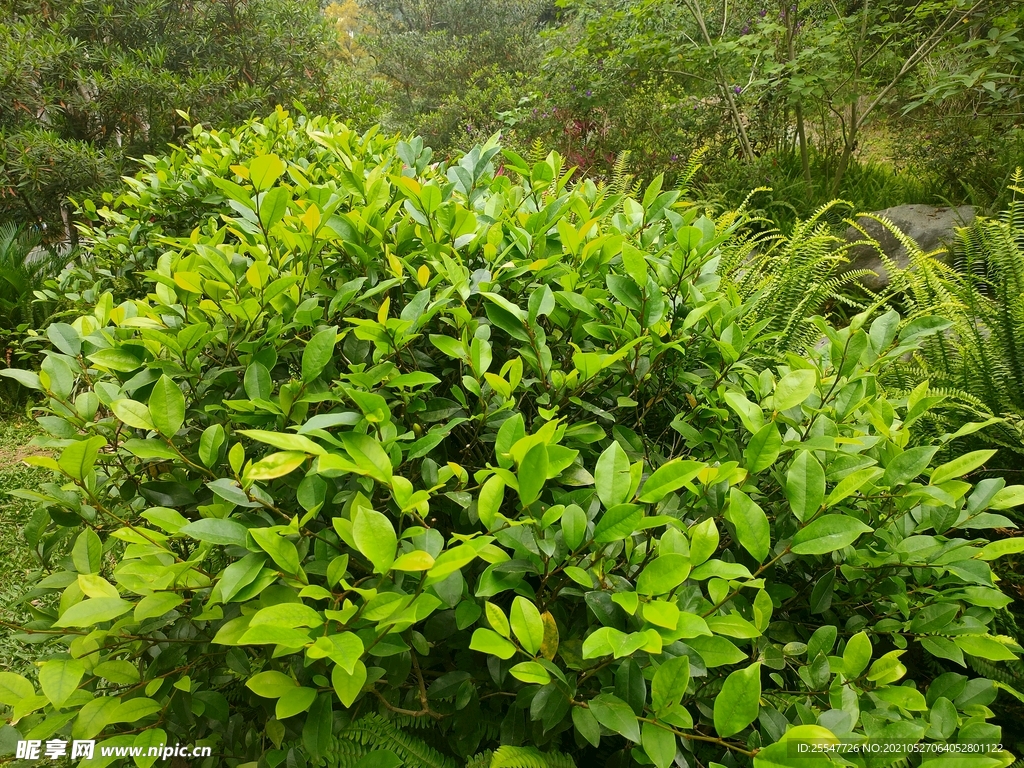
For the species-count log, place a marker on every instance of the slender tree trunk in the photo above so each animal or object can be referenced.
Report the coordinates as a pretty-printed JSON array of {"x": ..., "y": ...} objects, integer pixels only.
[{"x": 798, "y": 108}]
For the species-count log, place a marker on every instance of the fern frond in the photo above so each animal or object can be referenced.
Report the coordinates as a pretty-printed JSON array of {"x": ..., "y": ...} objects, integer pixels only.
[
  {"x": 374, "y": 731},
  {"x": 529, "y": 757}
]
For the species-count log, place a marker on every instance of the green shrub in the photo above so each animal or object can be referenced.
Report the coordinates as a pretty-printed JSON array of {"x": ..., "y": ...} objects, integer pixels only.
[{"x": 372, "y": 444}]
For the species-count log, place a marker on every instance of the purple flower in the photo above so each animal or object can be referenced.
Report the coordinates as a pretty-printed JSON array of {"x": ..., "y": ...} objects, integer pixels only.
[
  {"x": 588, "y": 93},
  {"x": 745, "y": 30},
  {"x": 574, "y": 87},
  {"x": 674, "y": 158},
  {"x": 737, "y": 89},
  {"x": 763, "y": 12}
]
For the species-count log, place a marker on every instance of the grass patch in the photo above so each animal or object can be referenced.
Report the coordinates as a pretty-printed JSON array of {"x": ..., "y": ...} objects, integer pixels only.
[{"x": 16, "y": 560}]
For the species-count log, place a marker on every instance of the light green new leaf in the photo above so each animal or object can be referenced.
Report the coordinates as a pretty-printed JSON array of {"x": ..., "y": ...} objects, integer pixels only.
[
  {"x": 348, "y": 685},
  {"x": 14, "y": 688},
  {"x": 279, "y": 548},
  {"x": 489, "y": 641},
  {"x": 612, "y": 477},
  {"x": 827, "y": 534},
  {"x": 166, "y": 406},
  {"x": 793, "y": 389},
  {"x": 157, "y": 604},
  {"x": 287, "y": 615},
  {"x": 984, "y": 647},
  {"x": 87, "y": 554},
  {"x": 59, "y": 678},
  {"x": 274, "y": 206},
  {"x": 750, "y": 523},
  {"x": 805, "y": 485},
  {"x": 375, "y": 538},
  {"x": 703, "y": 541},
  {"x": 491, "y": 495},
  {"x": 737, "y": 704},
  {"x": 275, "y": 465},
  {"x": 530, "y": 672},
  {"x": 527, "y": 625},
  {"x": 663, "y": 574},
  {"x": 270, "y": 684},
  {"x": 265, "y": 170},
  {"x": 856, "y": 655}
]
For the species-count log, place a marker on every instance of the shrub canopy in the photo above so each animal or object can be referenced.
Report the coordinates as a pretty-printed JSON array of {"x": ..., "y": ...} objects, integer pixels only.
[{"x": 344, "y": 443}]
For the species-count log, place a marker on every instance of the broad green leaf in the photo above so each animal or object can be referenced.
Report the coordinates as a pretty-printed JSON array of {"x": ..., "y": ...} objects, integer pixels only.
[
  {"x": 574, "y": 526},
  {"x": 157, "y": 604},
  {"x": 369, "y": 456},
  {"x": 527, "y": 625},
  {"x": 750, "y": 414},
  {"x": 93, "y": 611},
  {"x": 996, "y": 549},
  {"x": 763, "y": 448},
  {"x": 750, "y": 523},
  {"x": 317, "y": 353},
  {"x": 133, "y": 413},
  {"x": 532, "y": 474},
  {"x": 59, "y": 678},
  {"x": 216, "y": 531},
  {"x": 618, "y": 522},
  {"x": 703, "y": 541},
  {"x": 805, "y": 485},
  {"x": 281, "y": 550},
  {"x": 293, "y": 702},
  {"x": 78, "y": 458},
  {"x": 274, "y": 206},
  {"x": 14, "y": 688},
  {"x": 586, "y": 725},
  {"x": 984, "y": 647},
  {"x": 287, "y": 615},
  {"x": 793, "y": 389},
  {"x": 375, "y": 537},
  {"x": 94, "y": 716},
  {"x": 414, "y": 561},
  {"x": 737, "y": 704},
  {"x": 856, "y": 655},
  {"x": 670, "y": 682},
  {"x": 659, "y": 743},
  {"x": 663, "y": 574},
  {"x": 87, "y": 554},
  {"x": 616, "y": 715},
  {"x": 908, "y": 465},
  {"x": 496, "y": 618},
  {"x": 166, "y": 406},
  {"x": 316, "y": 731},
  {"x": 612, "y": 476},
  {"x": 118, "y": 671},
  {"x": 960, "y": 466},
  {"x": 669, "y": 477},
  {"x": 716, "y": 651},
  {"x": 785, "y": 753},
  {"x": 827, "y": 534},
  {"x": 285, "y": 442},
  {"x": 852, "y": 483}
]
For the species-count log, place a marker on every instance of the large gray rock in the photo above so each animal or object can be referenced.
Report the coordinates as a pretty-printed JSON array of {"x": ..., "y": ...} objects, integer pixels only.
[{"x": 930, "y": 227}]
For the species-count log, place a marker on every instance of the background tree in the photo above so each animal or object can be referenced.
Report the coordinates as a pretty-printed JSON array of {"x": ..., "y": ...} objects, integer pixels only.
[{"x": 90, "y": 85}]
